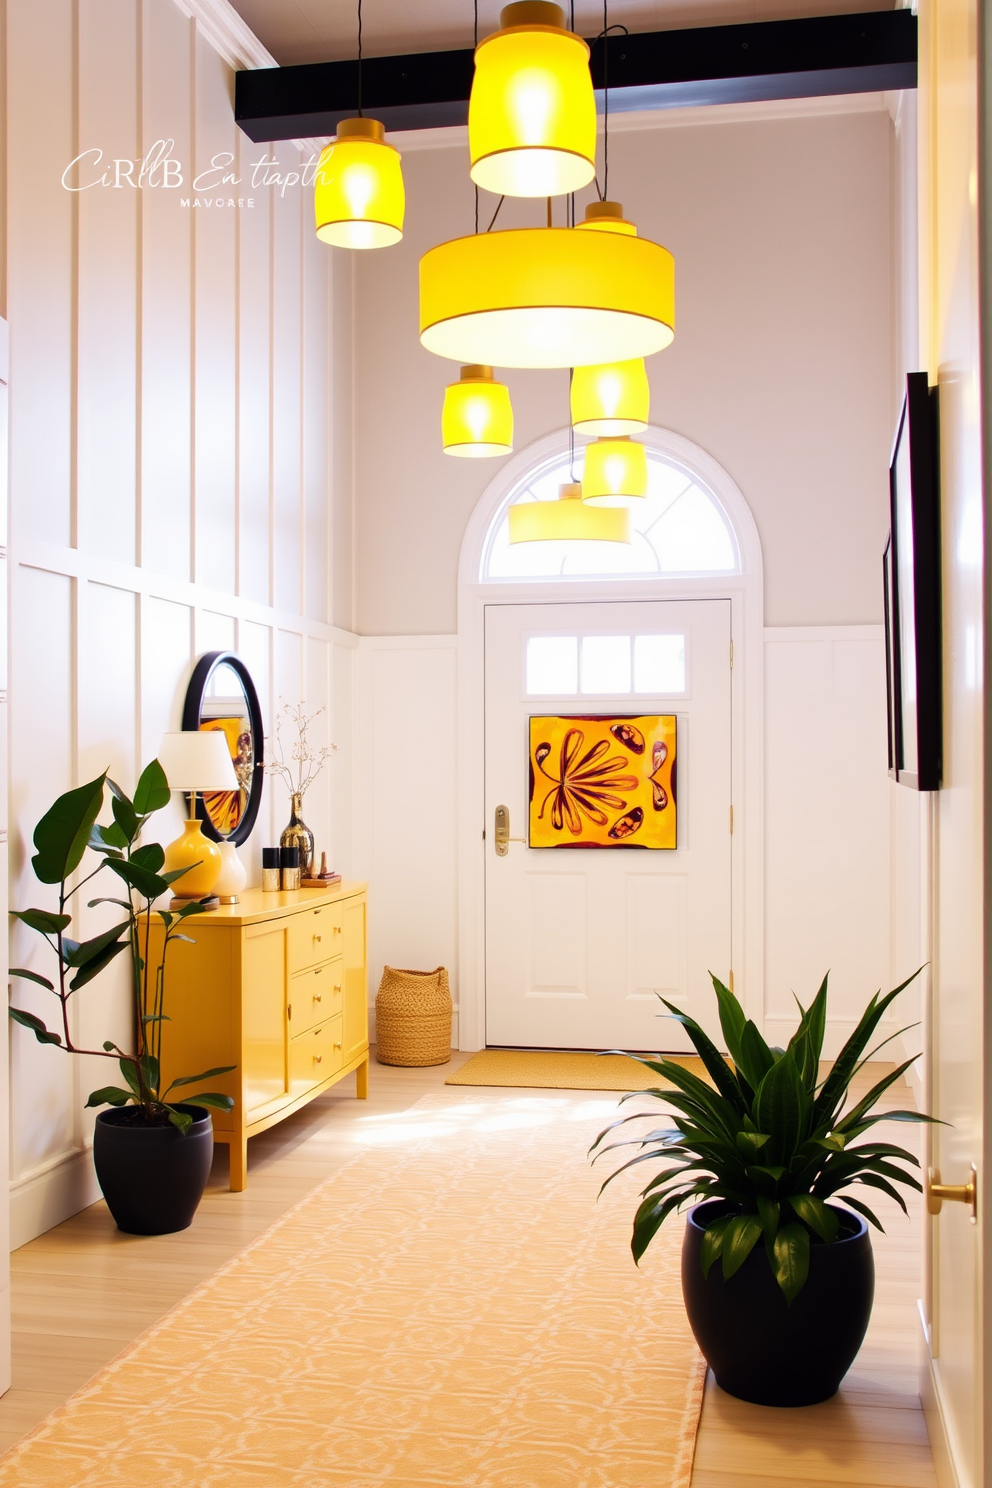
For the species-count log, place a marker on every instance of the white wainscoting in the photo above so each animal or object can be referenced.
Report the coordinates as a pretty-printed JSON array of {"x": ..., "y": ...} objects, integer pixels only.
[
  {"x": 827, "y": 809},
  {"x": 171, "y": 480}
]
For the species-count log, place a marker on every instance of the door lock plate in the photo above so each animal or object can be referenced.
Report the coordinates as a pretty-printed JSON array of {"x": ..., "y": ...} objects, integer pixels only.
[{"x": 502, "y": 831}]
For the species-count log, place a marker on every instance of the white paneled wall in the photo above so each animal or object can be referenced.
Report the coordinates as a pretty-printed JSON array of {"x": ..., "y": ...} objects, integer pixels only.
[
  {"x": 827, "y": 801},
  {"x": 171, "y": 473},
  {"x": 826, "y": 829},
  {"x": 405, "y": 787}
]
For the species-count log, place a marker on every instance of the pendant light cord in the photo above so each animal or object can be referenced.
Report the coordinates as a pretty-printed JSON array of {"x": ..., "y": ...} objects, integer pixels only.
[
  {"x": 359, "y": 58},
  {"x": 604, "y": 38},
  {"x": 496, "y": 213}
]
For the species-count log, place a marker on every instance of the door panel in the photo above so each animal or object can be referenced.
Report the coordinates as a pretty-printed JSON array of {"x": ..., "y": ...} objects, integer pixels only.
[{"x": 581, "y": 940}]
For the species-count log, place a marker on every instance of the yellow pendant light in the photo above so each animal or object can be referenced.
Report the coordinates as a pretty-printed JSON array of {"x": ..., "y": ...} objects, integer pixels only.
[
  {"x": 611, "y": 399},
  {"x": 477, "y": 419},
  {"x": 532, "y": 111},
  {"x": 567, "y": 519},
  {"x": 614, "y": 469},
  {"x": 547, "y": 297},
  {"x": 358, "y": 189}
]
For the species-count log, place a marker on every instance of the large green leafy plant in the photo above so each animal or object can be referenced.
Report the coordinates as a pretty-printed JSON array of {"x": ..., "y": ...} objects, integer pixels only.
[
  {"x": 62, "y": 838},
  {"x": 768, "y": 1137}
]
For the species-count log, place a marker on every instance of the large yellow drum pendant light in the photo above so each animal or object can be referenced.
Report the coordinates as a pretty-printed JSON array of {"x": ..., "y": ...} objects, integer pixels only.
[
  {"x": 359, "y": 199},
  {"x": 567, "y": 519},
  {"x": 477, "y": 419},
  {"x": 532, "y": 111},
  {"x": 611, "y": 399},
  {"x": 547, "y": 297},
  {"x": 614, "y": 469}
]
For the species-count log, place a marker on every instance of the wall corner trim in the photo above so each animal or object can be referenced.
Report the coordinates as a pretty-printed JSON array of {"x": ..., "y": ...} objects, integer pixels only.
[
  {"x": 230, "y": 37},
  {"x": 51, "y": 1194}
]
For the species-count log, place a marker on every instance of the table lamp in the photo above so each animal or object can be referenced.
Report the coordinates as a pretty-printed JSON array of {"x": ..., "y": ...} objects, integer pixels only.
[{"x": 196, "y": 761}]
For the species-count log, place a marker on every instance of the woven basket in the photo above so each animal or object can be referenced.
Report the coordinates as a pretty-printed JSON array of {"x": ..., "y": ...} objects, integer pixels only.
[{"x": 413, "y": 1017}]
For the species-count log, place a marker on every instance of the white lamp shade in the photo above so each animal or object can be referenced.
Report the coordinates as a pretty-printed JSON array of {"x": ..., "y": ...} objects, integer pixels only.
[{"x": 197, "y": 761}]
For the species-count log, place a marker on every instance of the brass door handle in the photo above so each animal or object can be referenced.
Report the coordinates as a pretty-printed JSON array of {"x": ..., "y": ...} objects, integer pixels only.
[
  {"x": 502, "y": 832},
  {"x": 953, "y": 1193}
]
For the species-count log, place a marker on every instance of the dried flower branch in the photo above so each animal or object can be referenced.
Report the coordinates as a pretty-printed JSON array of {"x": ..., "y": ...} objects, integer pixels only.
[{"x": 305, "y": 760}]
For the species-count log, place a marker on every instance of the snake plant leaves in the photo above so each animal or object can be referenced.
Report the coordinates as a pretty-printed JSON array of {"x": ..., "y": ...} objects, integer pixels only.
[
  {"x": 766, "y": 1139},
  {"x": 63, "y": 834}
]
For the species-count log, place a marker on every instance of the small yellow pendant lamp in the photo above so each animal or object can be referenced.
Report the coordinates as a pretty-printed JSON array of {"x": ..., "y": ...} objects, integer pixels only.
[
  {"x": 532, "y": 111},
  {"x": 610, "y": 399},
  {"x": 614, "y": 469},
  {"x": 477, "y": 419},
  {"x": 359, "y": 199},
  {"x": 567, "y": 519}
]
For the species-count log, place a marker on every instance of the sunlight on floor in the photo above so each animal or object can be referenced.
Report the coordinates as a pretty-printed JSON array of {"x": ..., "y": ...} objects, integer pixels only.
[{"x": 519, "y": 1112}]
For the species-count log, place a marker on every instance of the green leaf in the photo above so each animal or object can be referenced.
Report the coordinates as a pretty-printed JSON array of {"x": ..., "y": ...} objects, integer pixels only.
[
  {"x": 807, "y": 1041},
  {"x": 863, "y": 1209},
  {"x": 732, "y": 1018},
  {"x": 194, "y": 907},
  {"x": 88, "y": 950},
  {"x": 852, "y": 1117},
  {"x": 181, "y": 1119},
  {"x": 751, "y": 1143},
  {"x": 212, "y": 1098},
  {"x": 648, "y": 1220},
  {"x": 109, "y": 839},
  {"x": 37, "y": 1027},
  {"x": 836, "y": 1083},
  {"x": 121, "y": 903},
  {"x": 130, "y": 1075},
  {"x": 152, "y": 790},
  {"x": 177, "y": 873},
  {"x": 713, "y": 1060},
  {"x": 814, "y": 1213},
  {"x": 756, "y": 1057},
  {"x": 782, "y": 1107},
  {"x": 109, "y": 1095},
  {"x": 739, "y": 1239},
  {"x": 125, "y": 817},
  {"x": 42, "y": 920},
  {"x": 790, "y": 1251},
  {"x": 63, "y": 833},
  {"x": 94, "y": 967},
  {"x": 150, "y": 1070},
  {"x": 148, "y": 885},
  {"x": 31, "y": 976},
  {"x": 222, "y": 1069},
  {"x": 769, "y": 1212},
  {"x": 712, "y": 1243},
  {"x": 151, "y": 856}
]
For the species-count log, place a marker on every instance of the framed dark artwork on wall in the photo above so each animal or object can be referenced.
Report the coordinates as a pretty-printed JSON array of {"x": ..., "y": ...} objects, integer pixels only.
[
  {"x": 603, "y": 781},
  {"x": 221, "y": 695},
  {"x": 911, "y": 577}
]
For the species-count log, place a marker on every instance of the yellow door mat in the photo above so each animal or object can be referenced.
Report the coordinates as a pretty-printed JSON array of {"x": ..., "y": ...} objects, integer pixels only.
[{"x": 549, "y": 1069}]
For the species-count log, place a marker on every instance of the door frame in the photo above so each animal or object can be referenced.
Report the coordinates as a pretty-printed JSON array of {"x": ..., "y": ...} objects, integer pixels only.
[{"x": 745, "y": 590}]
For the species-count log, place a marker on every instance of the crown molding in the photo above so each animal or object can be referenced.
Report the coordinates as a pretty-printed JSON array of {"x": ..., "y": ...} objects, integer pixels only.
[{"x": 236, "y": 43}]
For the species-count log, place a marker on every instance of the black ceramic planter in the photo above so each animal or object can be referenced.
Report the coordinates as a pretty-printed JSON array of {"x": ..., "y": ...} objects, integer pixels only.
[
  {"x": 152, "y": 1177},
  {"x": 758, "y": 1347}
]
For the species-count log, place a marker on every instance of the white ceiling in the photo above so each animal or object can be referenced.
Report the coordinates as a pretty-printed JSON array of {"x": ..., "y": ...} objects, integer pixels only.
[{"x": 325, "y": 30}]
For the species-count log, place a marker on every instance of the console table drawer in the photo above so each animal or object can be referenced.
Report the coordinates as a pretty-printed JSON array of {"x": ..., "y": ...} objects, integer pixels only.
[
  {"x": 315, "y": 1055},
  {"x": 315, "y": 936},
  {"x": 315, "y": 996}
]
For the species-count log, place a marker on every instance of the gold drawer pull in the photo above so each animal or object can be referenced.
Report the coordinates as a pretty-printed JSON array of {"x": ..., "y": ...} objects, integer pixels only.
[
  {"x": 289, "y": 1012},
  {"x": 337, "y": 1046},
  {"x": 318, "y": 937},
  {"x": 317, "y": 1058},
  {"x": 337, "y": 929},
  {"x": 337, "y": 986},
  {"x": 318, "y": 997}
]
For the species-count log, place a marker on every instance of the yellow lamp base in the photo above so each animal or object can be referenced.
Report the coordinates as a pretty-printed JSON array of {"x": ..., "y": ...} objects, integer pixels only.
[{"x": 198, "y": 857}]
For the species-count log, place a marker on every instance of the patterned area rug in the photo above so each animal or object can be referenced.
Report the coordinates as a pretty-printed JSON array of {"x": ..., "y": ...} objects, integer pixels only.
[
  {"x": 452, "y": 1309},
  {"x": 547, "y": 1069}
]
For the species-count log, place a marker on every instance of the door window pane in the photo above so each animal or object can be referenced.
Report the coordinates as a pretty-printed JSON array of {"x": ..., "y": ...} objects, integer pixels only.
[
  {"x": 552, "y": 665},
  {"x": 659, "y": 663},
  {"x": 606, "y": 664}
]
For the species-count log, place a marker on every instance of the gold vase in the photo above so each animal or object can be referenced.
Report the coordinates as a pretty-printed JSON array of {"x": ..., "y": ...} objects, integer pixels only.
[{"x": 298, "y": 834}]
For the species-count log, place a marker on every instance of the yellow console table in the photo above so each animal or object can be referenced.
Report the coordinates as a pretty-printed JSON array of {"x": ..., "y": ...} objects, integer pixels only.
[{"x": 275, "y": 985}]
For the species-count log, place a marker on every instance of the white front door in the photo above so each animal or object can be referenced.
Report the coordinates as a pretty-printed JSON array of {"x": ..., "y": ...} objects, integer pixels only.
[{"x": 581, "y": 938}]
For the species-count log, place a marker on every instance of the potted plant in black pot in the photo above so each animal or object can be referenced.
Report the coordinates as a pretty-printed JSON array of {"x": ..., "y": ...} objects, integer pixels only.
[
  {"x": 152, "y": 1149},
  {"x": 778, "y": 1278}
]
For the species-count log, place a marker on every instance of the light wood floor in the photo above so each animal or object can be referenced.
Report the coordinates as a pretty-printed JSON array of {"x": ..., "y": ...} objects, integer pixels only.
[{"x": 83, "y": 1291}]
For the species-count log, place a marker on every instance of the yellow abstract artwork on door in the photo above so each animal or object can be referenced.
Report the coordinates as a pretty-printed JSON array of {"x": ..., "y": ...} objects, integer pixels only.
[{"x": 603, "y": 781}]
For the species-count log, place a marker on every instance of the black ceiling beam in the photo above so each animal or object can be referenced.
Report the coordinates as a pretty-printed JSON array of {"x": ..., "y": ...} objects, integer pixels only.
[{"x": 805, "y": 58}]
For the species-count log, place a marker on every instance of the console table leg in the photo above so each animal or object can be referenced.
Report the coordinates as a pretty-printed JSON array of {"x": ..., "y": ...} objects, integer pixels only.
[
  {"x": 238, "y": 1150},
  {"x": 362, "y": 1080}
]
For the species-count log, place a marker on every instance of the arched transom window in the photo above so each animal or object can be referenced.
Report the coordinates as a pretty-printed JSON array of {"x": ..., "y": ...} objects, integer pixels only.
[{"x": 679, "y": 528}]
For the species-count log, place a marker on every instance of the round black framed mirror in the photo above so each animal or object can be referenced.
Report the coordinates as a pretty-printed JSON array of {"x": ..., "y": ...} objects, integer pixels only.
[{"x": 221, "y": 695}]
